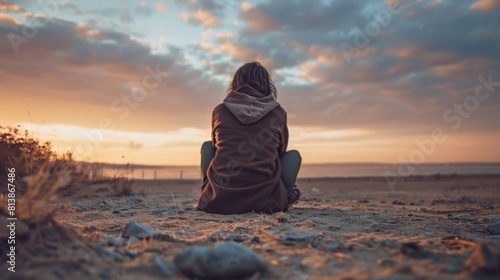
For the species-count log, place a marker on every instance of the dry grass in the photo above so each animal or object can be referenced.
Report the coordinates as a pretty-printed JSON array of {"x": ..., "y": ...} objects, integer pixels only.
[
  {"x": 123, "y": 183},
  {"x": 42, "y": 179},
  {"x": 123, "y": 186}
]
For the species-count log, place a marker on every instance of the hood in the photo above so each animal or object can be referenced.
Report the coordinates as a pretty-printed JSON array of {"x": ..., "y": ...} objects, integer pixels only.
[{"x": 249, "y": 105}]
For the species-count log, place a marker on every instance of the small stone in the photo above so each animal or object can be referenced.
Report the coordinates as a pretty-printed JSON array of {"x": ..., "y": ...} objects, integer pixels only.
[
  {"x": 493, "y": 227},
  {"x": 227, "y": 261},
  {"x": 165, "y": 268},
  {"x": 223, "y": 236},
  {"x": 455, "y": 267},
  {"x": 113, "y": 241},
  {"x": 116, "y": 212},
  {"x": 133, "y": 240},
  {"x": 132, "y": 198},
  {"x": 363, "y": 201},
  {"x": 157, "y": 212},
  {"x": 483, "y": 260},
  {"x": 131, "y": 254},
  {"x": 293, "y": 234},
  {"x": 282, "y": 220},
  {"x": 255, "y": 239},
  {"x": 422, "y": 209},
  {"x": 236, "y": 238},
  {"x": 80, "y": 206},
  {"x": 60, "y": 273},
  {"x": 105, "y": 253},
  {"x": 140, "y": 231},
  {"x": 386, "y": 262},
  {"x": 412, "y": 249},
  {"x": 465, "y": 217}
]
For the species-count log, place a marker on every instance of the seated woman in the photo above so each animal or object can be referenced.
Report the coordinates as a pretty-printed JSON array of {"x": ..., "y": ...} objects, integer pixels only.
[{"x": 246, "y": 167}]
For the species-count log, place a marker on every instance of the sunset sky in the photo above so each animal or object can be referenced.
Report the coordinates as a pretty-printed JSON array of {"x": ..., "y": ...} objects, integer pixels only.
[{"x": 362, "y": 81}]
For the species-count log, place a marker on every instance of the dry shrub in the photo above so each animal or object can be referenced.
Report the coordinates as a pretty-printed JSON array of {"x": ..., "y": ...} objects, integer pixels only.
[
  {"x": 123, "y": 186},
  {"x": 42, "y": 243}
]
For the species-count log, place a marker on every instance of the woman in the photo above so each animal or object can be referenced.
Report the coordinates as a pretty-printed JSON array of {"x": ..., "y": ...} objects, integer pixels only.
[{"x": 246, "y": 167}]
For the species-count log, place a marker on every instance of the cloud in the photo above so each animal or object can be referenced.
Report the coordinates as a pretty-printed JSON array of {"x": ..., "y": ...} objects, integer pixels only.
[
  {"x": 160, "y": 7},
  {"x": 201, "y": 17},
  {"x": 9, "y": 7},
  {"x": 407, "y": 76},
  {"x": 72, "y": 7},
  {"x": 486, "y": 6},
  {"x": 10, "y": 20},
  {"x": 71, "y": 64},
  {"x": 144, "y": 10},
  {"x": 420, "y": 63},
  {"x": 215, "y": 7},
  {"x": 135, "y": 145}
]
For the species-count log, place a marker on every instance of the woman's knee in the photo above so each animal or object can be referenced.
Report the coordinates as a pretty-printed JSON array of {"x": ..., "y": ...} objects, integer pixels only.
[
  {"x": 206, "y": 146},
  {"x": 295, "y": 155}
]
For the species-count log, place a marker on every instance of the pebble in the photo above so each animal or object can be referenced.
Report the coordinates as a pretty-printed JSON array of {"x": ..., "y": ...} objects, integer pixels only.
[
  {"x": 454, "y": 267},
  {"x": 80, "y": 206},
  {"x": 386, "y": 262},
  {"x": 227, "y": 261},
  {"x": 105, "y": 253},
  {"x": 140, "y": 231},
  {"x": 60, "y": 273},
  {"x": 483, "y": 260},
  {"x": 131, "y": 254},
  {"x": 113, "y": 241},
  {"x": 116, "y": 212},
  {"x": 157, "y": 212},
  {"x": 166, "y": 268},
  {"x": 133, "y": 240},
  {"x": 132, "y": 198},
  {"x": 282, "y": 220},
  {"x": 493, "y": 226},
  {"x": 465, "y": 217},
  {"x": 412, "y": 249},
  {"x": 223, "y": 236},
  {"x": 293, "y": 234}
]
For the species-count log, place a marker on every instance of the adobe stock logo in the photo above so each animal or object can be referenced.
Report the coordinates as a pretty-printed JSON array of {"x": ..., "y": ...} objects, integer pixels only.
[
  {"x": 362, "y": 38},
  {"x": 454, "y": 116}
]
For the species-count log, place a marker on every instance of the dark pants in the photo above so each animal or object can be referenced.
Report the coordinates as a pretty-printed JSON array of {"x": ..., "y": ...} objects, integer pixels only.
[{"x": 290, "y": 164}]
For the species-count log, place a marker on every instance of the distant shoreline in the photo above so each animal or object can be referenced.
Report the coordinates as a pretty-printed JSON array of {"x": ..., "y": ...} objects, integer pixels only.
[
  {"x": 415, "y": 178},
  {"x": 145, "y": 166}
]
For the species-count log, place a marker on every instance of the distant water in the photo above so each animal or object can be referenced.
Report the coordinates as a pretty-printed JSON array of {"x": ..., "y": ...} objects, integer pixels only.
[{"x": 323, "y": 170}]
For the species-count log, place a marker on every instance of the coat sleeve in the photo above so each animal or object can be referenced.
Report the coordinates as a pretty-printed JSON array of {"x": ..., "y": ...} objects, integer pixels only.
[
  {"x": 213, "y": 126},
  {"x": 284, "y": 137}
]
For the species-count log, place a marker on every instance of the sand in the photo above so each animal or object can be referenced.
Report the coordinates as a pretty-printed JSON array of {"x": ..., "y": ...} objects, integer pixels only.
[{"x": 423, "y": 228}]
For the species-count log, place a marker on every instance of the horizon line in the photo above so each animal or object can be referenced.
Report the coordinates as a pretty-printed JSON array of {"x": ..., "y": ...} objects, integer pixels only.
[{"x": 147, "y": 166}]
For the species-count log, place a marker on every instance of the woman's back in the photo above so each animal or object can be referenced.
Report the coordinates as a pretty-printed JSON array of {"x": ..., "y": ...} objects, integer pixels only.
[
  {"x": 242, "y": 165},
  {"x": 249, "y": 135}
]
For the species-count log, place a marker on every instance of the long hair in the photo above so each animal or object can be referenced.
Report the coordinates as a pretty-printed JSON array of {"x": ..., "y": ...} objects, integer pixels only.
[{"x": 255, "y": 75}]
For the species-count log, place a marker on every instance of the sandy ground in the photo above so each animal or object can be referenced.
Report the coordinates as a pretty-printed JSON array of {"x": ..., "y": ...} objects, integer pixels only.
[{"x": 423, "y": 228}]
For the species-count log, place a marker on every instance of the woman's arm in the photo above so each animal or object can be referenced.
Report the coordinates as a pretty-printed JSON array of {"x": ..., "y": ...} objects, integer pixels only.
[{"x": 284, "y": 137}]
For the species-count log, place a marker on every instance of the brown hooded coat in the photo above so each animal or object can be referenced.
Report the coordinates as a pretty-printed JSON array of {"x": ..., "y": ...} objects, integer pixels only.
[{"x": 249, "y": 133}]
